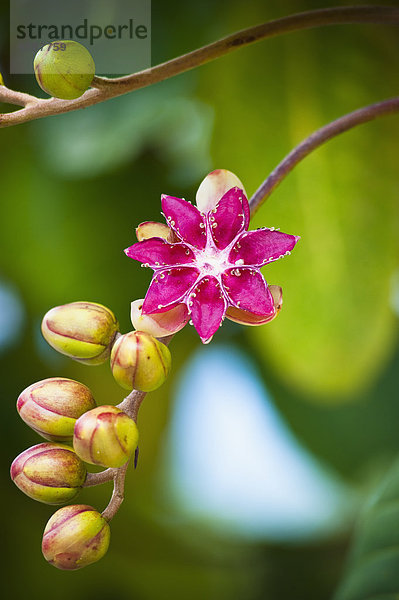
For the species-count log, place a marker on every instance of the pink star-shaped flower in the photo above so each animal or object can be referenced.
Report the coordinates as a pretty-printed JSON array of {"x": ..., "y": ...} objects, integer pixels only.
[{"x": 213, "y": 264}]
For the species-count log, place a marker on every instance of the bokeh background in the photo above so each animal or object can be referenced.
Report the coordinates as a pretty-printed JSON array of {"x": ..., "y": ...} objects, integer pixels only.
[{"x": 258, "y": 454}]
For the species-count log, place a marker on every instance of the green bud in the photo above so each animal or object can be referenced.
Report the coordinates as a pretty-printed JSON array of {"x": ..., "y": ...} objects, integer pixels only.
[
  {"x": 51, "y": 406},
  {"x": 105, "y": 436},
  {"x": 49, "y": 473},
  {"x": 64, "y": 69},
  {"x": 84, "y": 331},
  {"x": 139, "y": 361},
  {"x": 74, "y": 537}
]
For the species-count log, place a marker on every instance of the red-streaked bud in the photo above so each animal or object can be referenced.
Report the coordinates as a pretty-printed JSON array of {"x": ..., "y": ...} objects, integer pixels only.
[
  {"x": 160, "y": 324},
  {"x": 49, "y": 473},
  {"x": 247, "y": 318},
  {"x": 139, "y": 361},
  {"x": 105, "y": 436},
  {"x": 84, "y": 331},
  {"x": 75, "y": 536},
  {"x": 51, "y": 406}
]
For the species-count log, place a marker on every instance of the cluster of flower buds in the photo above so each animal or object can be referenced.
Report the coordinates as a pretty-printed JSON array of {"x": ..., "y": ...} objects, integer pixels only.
[
  {"x": 63, "y": 410},
  {"x": 206, "y": 267}
]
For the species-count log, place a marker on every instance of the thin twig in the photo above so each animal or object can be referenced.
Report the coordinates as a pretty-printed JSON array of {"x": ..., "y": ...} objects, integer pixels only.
[
  {"x": 316, "y": 139},
  {"x": 98, "y": 478},
  {"x": 118, "y": 493},
  {"x": 104, "y": 88}
]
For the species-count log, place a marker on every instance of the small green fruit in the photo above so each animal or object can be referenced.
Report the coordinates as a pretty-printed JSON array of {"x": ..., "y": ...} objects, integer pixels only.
[
  {"x": 74, "y": 537},
  {"x": 51, "y": 406},
  {"x": 139, "y": 361},
  {"x": 105, "y": 436},
  {"x": 49, "y": 473},
  {"x": 64, "y": 69},
  {"x": 84, "y": 331}
]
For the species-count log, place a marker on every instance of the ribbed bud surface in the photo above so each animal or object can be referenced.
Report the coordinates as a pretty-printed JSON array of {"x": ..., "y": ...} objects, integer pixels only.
[
  {"x": 51, "y": 406},
  {"x": 83, "y": 331},
  {"x": 74, "y": 537},
  {"x": 49, "y": 473},
  {"x": 139, "y": 361},
  {"x": 105, "y": 436}
]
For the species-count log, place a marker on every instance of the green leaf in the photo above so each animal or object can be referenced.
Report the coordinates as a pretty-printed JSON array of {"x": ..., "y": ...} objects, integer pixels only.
[{"x": 373, "y": 569}]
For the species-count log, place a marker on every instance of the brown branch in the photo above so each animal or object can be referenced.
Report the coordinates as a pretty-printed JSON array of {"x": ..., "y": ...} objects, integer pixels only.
[
  {"x": 98, "y": 478},
  {"x": 118, "y": 493},
  {"x": 316, "y": 139},
  {"x": 104, "y": 88}
]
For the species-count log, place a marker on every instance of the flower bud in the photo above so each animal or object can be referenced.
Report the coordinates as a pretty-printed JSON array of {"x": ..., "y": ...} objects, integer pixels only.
[
  {"x": 83, "y": 331},
  {"x": 64, "y": 69},
  {"x": 150, "y": 229},
  {"x": 105, "y": 436},
  {"x": 247, "y": 318},
  {"x": 160, "y": 324},
  {"x": 49, "y": 473},
  {"x": 51, "y": 406},
  {"x": 214, "y": 187},
  {"x": 75, "y": 536},
  {"x": 139, "y": 361}
]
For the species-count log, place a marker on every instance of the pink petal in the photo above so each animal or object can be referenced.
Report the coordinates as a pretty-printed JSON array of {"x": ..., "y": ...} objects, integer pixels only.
[
  {"x": 185, "y": 220},
  {"x": 208, "y": 307},
  {"x": 168, "y": 288},
  {"x": 229, "y": 218},
  {"x": 214, "y": 187},
  {"x": 248, "y": 318},
  {"x": 262, "y": 246},
  {"x": 247, "y": 290},
  {"x": 156, "y": 252}
]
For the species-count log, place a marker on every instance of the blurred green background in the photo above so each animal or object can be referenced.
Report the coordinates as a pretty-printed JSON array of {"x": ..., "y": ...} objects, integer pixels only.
[{"x": 259, "y": 452}]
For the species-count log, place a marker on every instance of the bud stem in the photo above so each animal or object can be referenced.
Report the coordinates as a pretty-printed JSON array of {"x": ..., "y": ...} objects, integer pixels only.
[
  {"x": 118, "y": 494},
  {"x": 99, "y": 478}
]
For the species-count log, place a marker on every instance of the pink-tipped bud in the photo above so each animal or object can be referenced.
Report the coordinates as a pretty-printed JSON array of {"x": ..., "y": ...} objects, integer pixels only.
[
  {"x": 51, "y": 406},
  {"x": 139, "y": 361},
  {"x": 160, "y": 324},
  {"x": 49, "y": 473},
  {"x": 74, "y": 537},
  {"x": 105, "y": 436}
]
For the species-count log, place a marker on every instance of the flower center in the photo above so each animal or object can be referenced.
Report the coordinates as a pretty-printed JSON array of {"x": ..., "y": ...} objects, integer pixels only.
[{"x": 212, "y": 263}]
